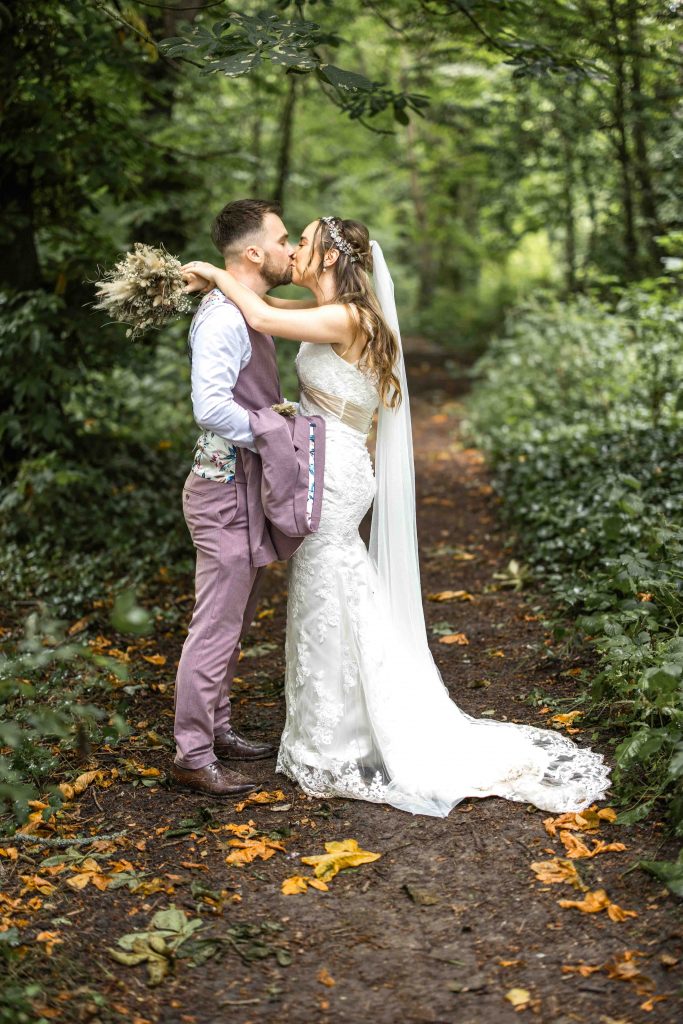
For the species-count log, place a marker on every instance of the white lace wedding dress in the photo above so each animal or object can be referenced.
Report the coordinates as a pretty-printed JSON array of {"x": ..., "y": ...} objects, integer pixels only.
[{"x": 368, "y": 715}]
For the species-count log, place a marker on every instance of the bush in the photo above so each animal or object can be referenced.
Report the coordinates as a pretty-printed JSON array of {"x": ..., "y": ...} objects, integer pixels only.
[{"x": 579, "y": 407}]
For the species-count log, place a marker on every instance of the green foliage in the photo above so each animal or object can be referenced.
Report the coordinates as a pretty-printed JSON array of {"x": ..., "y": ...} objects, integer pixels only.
[
  {"x": 495, "y": 150},
  {"x": 580, "y": 409},
  {"x": 50, "y": 689},
  {"x": 242, "y": 42}
]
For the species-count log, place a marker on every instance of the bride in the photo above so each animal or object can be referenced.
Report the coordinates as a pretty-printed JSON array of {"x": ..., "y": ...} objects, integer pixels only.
[{"x": 368, "y": 715}]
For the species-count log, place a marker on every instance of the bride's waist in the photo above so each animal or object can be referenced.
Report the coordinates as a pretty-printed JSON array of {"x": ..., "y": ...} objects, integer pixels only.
[{"x": 357, "y": 417}]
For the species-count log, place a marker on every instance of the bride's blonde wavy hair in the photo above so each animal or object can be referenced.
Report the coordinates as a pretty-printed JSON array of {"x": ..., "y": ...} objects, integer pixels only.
[{"x": 354, "y": 289}]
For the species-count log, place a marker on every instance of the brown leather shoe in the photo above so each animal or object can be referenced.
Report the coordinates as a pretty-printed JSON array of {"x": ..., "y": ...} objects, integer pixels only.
[
  {"x": 213, "y": 780},
  {"x": 229, "y": 744}
]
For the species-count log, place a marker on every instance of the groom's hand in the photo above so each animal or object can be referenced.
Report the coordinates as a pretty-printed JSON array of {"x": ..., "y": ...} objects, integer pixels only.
[
  {"x": 195, "y": 282},
  {"x": 285, "y": 408}
]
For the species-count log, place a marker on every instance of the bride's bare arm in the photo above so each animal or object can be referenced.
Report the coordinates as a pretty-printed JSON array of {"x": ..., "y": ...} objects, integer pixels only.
[
  {"x": 290, "y": 303},
  {"x": 321, "y": 324}
]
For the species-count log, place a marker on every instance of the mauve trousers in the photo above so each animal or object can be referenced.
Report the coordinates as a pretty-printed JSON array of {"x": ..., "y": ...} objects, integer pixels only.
[{"x": 226, "y": 592}]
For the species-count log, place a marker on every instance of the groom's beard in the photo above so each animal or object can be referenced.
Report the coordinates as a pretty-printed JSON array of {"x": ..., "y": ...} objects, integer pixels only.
[{"x": 274, "y": 277}]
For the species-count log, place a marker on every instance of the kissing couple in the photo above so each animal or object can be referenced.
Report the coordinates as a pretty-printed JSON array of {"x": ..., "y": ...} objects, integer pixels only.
[{"x": 367, "y": 714}]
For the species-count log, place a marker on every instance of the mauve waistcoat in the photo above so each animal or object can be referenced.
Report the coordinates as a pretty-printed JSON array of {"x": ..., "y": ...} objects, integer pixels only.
[{"x": 258, "y": 383}]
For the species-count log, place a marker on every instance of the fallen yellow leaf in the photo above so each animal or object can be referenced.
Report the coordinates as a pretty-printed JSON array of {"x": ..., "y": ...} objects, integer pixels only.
[
  {"x": 294, "y": 885},
  {"x": 9, "y": 851},
  {"x": 346, "y": 854},
  {"x": 152, "y": 886},
  {"x": 451, "y": 595},
  {"x": 155, "y": 659},
  {"x": 568, "y": 719},
  {"x": 325, "y": 978},
  {"x": 299, "y": 883},
  {"x": 518, "y": 997}
]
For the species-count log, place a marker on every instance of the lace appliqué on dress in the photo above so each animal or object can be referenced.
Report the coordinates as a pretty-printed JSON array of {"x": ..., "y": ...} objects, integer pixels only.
[{"x": 368, "y": 718}]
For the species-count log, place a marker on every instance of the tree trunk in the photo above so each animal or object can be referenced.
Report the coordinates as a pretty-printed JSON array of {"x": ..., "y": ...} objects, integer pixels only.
[
  {"x": 569, "y": 214},
  {"x": 647, "y": 197},
  {"x": 19, "y": 264},
  {"x": 285, "y": 151},
  {"x": 630, "y": 241}
]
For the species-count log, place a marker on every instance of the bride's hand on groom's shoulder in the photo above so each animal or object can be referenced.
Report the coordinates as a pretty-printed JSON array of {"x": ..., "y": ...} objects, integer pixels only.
[{"x": 200, "y": 276}]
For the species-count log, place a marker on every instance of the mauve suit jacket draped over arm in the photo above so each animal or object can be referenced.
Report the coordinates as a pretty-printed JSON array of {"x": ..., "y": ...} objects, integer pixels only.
[{"x": 278, "y": 480}]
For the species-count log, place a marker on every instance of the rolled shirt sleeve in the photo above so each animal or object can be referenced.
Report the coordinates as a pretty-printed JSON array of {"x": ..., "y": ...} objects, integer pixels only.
[{"x": 220, "y": 349}]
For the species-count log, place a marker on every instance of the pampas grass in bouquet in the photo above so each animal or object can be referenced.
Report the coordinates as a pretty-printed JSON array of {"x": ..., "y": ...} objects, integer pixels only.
[{"x": 143, "y": 290}]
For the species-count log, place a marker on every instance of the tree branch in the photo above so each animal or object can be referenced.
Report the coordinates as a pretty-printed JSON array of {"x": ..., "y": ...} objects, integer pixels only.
[{"x": 119, "y": 19}]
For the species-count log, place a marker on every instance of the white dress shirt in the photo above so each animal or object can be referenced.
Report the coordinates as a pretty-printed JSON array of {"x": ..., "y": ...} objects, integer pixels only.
[{"x": 220, "y": 349}]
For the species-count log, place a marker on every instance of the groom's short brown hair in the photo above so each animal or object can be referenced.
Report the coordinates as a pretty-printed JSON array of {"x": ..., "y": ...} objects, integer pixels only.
[{"x": 238, "y": 220}]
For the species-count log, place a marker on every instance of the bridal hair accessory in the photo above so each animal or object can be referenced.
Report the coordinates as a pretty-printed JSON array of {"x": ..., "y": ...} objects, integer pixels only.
[
  {"x": 339, "y": 240},
  {"x": 145, "y": 290}
]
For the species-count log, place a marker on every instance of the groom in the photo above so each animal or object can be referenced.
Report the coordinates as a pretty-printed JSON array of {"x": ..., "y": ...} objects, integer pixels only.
[{"x": 234, "y": 372}]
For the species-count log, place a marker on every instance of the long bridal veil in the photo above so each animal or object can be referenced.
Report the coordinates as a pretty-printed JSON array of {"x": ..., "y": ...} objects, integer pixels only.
[{"x": 433, "y": 754}]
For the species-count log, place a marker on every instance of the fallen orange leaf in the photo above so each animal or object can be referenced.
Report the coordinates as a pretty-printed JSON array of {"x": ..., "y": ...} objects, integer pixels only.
[
  {"x": 247, "y": 850},
  {"x": 557, "y": 870},
  {"x": 582, "y": 821},
  {"x": 71, "y": 789},
  {"x": 576, "y": 848},
  {"x": 9, "y": 851},
  {"x": 34, "y": 883},
  {"x": 262, "y": 797},
  {"x": 585, "y": 970},
  {"x": 623, "y": 967},
  {"x": 50, "y": 939},
  {"x": 78, "y": 627},
  {"x": 649, "y": 1004},
  {"x": 89, "y": 871},
  {"x": 594, "y": 902},
  {"x": 451, "y": 595},
  {"x": 155, "y": 659},
  {"x": 454, "y": 638},
  {"x": 243, "y": 831},
  {"x": 325, "y": 978}
]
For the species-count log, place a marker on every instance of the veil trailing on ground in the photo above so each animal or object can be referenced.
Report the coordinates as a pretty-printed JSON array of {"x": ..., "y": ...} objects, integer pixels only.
[
  {"x": 432, "y": 753},
  {"x": 393, "y": 535}
]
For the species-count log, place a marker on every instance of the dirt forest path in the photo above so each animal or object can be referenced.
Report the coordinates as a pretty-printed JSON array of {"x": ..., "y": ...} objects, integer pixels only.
[{"x": 450, "y": 923}]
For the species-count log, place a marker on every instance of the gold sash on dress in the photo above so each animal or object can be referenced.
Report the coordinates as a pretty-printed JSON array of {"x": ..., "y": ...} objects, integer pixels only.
[{"x": 354, "y": 416}]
